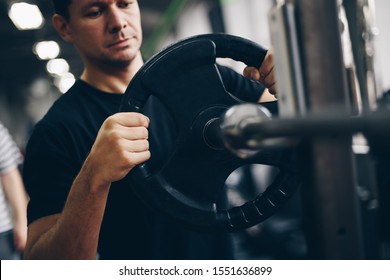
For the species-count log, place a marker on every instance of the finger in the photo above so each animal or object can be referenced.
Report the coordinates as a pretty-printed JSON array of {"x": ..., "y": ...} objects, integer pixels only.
[
  {"x": 273, "y": 90},
  {"x": 138, "y": 158},
  {"x": 134, "y": 133},
  {"x": 130, "y": 119},
  {"x": 269, "y": 80},
  {"x": 137, "y": 146},
  {"x": 251, "y": 73},
  {"x": 267, "y": 65}
]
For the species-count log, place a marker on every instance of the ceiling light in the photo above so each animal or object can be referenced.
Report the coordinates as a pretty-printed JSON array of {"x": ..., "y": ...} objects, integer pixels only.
[
  {"x": 57, "y": 66},
  {"x": 64, "y": 82},
  {"x": 26, "y": 16},
  {"x": 46, "y": 49}
]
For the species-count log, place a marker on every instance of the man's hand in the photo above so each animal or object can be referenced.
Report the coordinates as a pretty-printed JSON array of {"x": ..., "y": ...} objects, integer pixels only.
[
  {"x": 121, "y": 143},
  {"x": 265, "y": 74}
]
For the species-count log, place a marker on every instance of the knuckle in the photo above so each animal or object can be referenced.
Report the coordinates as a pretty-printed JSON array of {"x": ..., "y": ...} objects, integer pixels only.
[
  {"x": 140, "y": 118},
  {"x": 110, "y": 121},
  {"x": 146, "y": 145},
  {"x": 112, "y": 136},
  {"x": 144, "y": 132},
  {"x": 147, "y": 155}
]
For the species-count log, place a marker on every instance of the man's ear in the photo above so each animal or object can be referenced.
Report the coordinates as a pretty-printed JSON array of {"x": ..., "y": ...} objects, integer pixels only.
[{"x": 62, "y": 27}]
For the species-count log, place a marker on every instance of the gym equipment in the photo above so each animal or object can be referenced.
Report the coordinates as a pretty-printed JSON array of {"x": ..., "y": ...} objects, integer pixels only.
[
  {"x": 189, "y": 187},
  {"x": 321, "y": 112}
]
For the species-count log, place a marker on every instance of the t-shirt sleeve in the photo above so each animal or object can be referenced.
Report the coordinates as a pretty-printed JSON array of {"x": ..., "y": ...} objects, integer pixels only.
[
  {"x": 48, "y": 172},
  {"x": 10, "y": 156}
]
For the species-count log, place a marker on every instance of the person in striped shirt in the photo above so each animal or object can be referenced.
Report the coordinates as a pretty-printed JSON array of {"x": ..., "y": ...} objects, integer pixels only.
[{"x": 13, "y": 199}]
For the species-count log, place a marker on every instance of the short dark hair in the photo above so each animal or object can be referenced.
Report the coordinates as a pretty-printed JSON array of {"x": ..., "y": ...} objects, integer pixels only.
[{"x": 61, "y": 7}]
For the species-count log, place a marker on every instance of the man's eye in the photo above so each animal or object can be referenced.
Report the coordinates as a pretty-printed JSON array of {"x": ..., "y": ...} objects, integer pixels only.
[
  {"x": 94, "y": 14},
  {"x": 125, "y": 4}
]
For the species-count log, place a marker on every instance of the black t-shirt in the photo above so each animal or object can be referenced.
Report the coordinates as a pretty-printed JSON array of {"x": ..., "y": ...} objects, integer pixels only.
[{"x": 58, "y": 147}]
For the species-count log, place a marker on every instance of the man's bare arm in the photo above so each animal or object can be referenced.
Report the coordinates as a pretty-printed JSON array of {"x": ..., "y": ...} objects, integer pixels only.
[{"x": 120, "y": 145}]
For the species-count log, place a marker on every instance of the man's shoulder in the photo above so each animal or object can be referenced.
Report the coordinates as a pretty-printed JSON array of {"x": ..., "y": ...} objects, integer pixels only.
[
  {"x": 64, "y": 110},
  {"x": 67, "y": 104}
]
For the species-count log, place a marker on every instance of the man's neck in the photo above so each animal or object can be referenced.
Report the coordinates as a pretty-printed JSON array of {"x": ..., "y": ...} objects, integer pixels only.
[{"x": 114, "y": 79}]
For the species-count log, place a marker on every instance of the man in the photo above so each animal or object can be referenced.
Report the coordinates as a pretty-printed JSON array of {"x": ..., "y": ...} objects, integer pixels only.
[
  {"x": 81, "y": 150},
  {"x": 13, "y": 199}
]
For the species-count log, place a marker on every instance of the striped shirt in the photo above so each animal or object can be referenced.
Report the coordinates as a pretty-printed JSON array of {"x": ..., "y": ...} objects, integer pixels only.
[{"x": 10, "y": 158}]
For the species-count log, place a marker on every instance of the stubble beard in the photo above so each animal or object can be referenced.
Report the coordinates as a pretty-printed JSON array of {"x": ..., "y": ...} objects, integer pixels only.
[{"x": 120, "y": 62}]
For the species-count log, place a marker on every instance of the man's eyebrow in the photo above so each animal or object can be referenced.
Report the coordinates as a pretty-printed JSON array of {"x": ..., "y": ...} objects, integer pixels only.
[{"x": 96, "y": 3}]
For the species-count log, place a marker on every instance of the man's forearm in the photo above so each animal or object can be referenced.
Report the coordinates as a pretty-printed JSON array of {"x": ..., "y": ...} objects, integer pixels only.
[{"x": 75, "y": 232}]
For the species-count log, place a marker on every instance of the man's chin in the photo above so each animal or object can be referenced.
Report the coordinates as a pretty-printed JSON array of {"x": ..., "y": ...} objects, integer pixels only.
[
  {"x": 123, "y": 60},
  {"x": 116, "y": 62},
  {"x": 121, "y": 63}
]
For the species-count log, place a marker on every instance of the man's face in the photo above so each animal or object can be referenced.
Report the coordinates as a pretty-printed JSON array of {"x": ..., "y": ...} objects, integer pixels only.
[{"x": 105, "y": 31}]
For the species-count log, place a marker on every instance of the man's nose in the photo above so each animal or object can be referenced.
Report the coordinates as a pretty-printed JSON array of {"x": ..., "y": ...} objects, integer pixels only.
[{"x": 116, "y": 20}]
